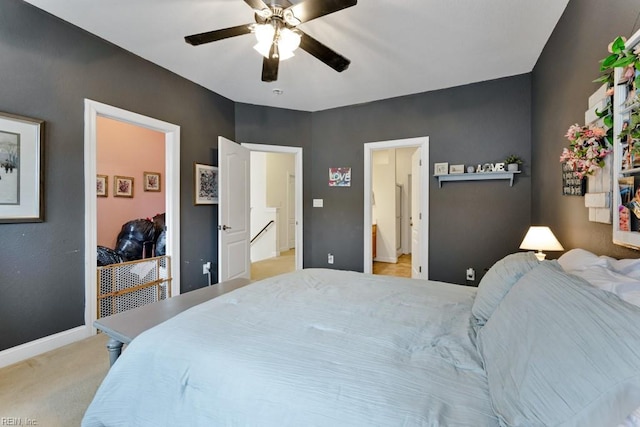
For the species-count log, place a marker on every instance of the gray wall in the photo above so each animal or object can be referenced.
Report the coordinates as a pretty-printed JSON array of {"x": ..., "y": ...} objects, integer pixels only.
[
  {"x": 562, "y": 82},
  {"x": 473, "y": 224},
  {"x": 47, "y": 69}
]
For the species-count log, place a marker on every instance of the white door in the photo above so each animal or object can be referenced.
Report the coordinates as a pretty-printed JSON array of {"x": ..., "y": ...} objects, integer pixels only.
[
  {"x": 291, "y": 211},
  {"x": 416, "y": 216},
  {"x": 234, "y": 223}
]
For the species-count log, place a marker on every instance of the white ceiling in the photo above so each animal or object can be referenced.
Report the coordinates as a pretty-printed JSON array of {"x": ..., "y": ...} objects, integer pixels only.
[{"x": 396, "y": 47}]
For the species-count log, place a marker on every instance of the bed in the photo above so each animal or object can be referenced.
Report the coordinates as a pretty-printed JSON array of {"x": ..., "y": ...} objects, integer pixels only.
[{"x": 534, "y": 345}]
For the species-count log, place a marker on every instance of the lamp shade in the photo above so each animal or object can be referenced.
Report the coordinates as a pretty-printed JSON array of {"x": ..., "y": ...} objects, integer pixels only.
[{"x": 540, "y": 238}]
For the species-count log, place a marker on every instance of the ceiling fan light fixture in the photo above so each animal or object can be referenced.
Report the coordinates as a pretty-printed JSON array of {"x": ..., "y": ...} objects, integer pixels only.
[
  {"x": 263, "y": 48},
  {"x": 264, "y": 13},
  {"x": 264, "y": 33},
  {"x": 289, "y": 40},
  {"x": 285, "y": 54},
  {"x": 290, "y": 19}
]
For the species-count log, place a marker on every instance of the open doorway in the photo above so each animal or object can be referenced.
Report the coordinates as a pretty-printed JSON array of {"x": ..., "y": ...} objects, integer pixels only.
[
  {"x": 276, "y": 210},
  {"x": 396, "y": 207},
  {"x": 169, "y": 140},
  {"x": 391, "y": 211}
]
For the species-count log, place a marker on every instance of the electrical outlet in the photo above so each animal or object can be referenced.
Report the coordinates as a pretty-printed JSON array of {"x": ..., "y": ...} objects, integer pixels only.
[
  {"x": 330, "y": 258},
  {"x": 471, "y": 274},
  {"x": 206, "y": 267}
]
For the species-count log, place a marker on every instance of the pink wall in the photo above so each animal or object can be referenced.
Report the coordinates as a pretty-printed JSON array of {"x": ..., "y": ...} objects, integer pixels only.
[{"x": 127, "y": 150}]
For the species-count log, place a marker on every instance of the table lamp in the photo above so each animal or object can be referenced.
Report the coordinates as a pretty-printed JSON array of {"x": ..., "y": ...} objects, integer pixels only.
[{"x": 540, "y": 238}]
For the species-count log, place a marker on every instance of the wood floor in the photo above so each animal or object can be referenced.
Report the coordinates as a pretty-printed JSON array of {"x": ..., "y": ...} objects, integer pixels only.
[{"x": 401, "y": 269}]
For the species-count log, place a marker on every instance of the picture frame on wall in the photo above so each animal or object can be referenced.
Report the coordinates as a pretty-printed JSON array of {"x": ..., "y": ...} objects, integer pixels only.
[
  {"x": 122, "y": 186},
  {"x": 102, "y": 185},
  {"x": 456, "y": 169},
  {"x": 339, "y": 177},
  {"x": 205, "y": 188},
  {"x": 151, "y": 181},
  {"x": 440, "y": 169},
  {"x": 21, "y": 169}
]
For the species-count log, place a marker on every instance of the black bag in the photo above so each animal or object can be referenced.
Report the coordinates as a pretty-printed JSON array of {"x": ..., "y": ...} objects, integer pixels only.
[
  {"x": 107, "y": 256},
  {"x": 133, "y": 236}
]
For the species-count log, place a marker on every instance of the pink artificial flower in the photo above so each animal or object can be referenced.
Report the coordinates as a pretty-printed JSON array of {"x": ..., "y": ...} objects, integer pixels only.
[
  {"x": 598, "y": 132},
  {"x": 572, "y": 131}
]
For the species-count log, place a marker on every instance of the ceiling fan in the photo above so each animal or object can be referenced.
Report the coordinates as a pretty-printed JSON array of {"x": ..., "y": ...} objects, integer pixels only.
[{"x": 277, "y": 33}]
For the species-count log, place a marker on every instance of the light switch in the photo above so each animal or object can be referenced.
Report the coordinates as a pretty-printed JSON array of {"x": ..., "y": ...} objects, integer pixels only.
[{"x": 318, "y": 203}]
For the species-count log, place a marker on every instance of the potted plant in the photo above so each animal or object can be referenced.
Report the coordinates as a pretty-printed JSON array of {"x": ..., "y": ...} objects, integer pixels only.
[{"x": 513, "y": 163}]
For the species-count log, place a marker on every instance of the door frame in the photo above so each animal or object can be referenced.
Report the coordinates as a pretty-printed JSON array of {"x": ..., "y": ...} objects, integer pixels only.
[
  {"x": 93, "y": 109},
  {"x": 297, "y": 152},
  {"x": 289, "y": 176},
  {"x": 369, "y": 148}
]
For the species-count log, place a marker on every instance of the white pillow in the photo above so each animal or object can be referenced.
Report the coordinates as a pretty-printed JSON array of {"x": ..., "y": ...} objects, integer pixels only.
[
  {"x": 627, "y": 288},
  {"x": 629, "y": 267},
  {"x": 579, "y": 259}
]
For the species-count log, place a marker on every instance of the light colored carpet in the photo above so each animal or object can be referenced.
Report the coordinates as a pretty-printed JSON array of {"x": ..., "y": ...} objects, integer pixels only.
[
  {"x": 55, "y": 388},
  {"x": 270, "y": 267}
]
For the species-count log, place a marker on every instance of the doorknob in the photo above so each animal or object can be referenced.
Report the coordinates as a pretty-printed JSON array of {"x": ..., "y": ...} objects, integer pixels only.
[{"x": 224, "y": 227}]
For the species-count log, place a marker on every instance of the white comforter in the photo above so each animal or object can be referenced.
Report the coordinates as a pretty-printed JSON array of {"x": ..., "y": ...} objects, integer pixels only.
[{"x": 311, "y": 348}]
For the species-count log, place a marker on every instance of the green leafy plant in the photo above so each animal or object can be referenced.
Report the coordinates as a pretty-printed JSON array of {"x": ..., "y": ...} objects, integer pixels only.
[
  {"x": 619, "y": 56},
  {"x": 512, "y": 158}
]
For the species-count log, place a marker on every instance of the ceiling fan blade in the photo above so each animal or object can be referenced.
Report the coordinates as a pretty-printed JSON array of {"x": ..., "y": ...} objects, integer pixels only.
[
  {"x": 256, "y": 4},
  {"x": 212, "y": 36},
  {"x": 270, "y": 65},
  {"x": 312, "y": 9},
  {"x": 323, "y": 53}
]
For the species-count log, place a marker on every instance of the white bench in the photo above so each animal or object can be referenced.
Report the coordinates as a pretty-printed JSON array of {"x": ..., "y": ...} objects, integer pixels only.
[{"x": 123, "y": 327}]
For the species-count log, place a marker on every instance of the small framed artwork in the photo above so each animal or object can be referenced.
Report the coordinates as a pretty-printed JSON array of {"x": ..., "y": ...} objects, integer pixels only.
[
  {"x": 205, "y": 184},
  {"x": 456, "y": 169},
  {"x": 441, "y": 168},
  {"x": 151, "y": 181},
  {"x": 122, "y": 186},
  {"x": 102, "y": 186},
  {"x": 21, "y": 169},
  {"x": 339, "y": 177}
]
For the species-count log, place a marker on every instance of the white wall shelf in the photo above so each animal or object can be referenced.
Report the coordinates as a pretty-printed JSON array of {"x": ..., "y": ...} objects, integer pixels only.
[{"x": 477, "y": 176}]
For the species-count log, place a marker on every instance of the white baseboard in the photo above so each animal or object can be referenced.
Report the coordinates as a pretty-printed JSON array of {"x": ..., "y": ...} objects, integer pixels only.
[
  {"x": 34, "y": 348},
  {"x": 392, "y": 260}
]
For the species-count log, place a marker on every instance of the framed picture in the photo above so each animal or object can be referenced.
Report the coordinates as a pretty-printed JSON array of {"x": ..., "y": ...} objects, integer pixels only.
[
  {"x": 456, "y": 169},
  {"x": 339, "y": 177},
  {"x": 21, "y": 169},
  {"x": 122, "y": 186},
  {"x": 151, "y": 181},
  {"x": 102, "y": 186},
  {"x": 205, "y": 184},
  {"x": 441, "y": 168}
]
